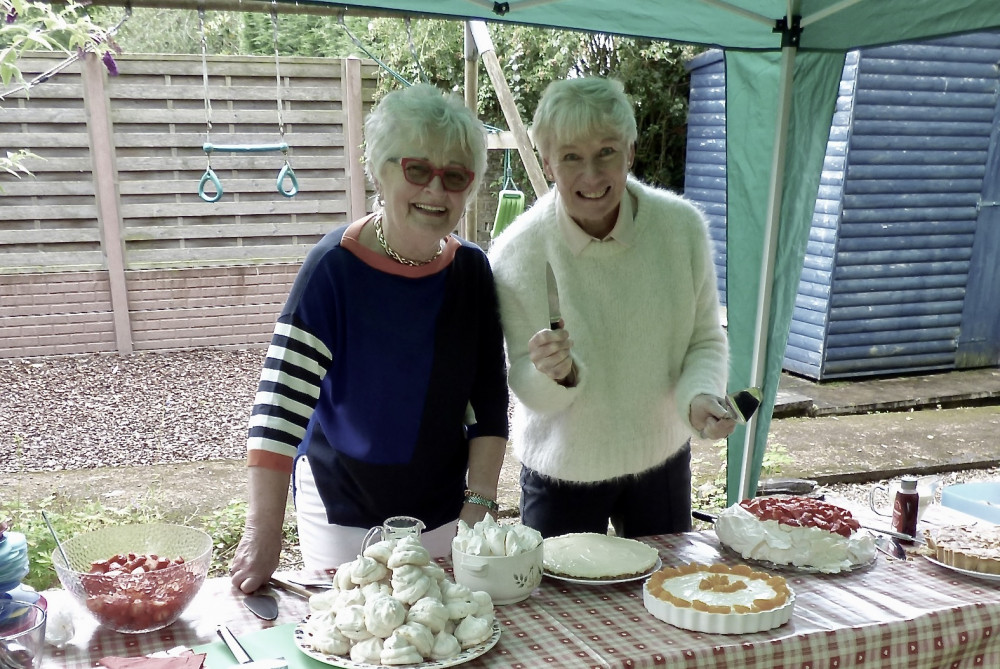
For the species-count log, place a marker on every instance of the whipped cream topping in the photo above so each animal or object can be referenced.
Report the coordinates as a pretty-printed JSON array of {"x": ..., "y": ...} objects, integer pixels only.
[
  {"x": 689, "y": 587},
  {"x": 810, "y": 547}
]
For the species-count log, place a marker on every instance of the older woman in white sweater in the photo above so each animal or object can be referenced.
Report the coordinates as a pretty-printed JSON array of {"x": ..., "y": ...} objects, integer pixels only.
[{"x": 607, "y": 403}]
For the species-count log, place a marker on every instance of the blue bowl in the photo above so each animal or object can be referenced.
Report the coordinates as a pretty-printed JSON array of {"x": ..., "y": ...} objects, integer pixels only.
[{"x": 981, "y": 500}]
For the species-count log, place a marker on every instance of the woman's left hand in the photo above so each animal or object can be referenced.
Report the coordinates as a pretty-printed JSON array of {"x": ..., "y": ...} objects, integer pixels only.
[
  {"x": 709, "y": 417},
  {"x": 473, "y": 513}
]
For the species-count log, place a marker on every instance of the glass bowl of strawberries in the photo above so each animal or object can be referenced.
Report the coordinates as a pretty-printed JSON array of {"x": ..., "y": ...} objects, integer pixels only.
[{"x": 135, "y": 578}]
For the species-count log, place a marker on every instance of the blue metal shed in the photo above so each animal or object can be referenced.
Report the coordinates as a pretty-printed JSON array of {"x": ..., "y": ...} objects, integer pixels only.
[{"x": 901, "y": 272}]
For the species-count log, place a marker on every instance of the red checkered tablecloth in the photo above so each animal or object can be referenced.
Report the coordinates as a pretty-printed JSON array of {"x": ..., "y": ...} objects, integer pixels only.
[{"x": 911, "y": 614}]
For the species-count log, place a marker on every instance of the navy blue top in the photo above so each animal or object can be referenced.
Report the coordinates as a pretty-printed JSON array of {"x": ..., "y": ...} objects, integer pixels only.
[{"x": 398, "y": 355}]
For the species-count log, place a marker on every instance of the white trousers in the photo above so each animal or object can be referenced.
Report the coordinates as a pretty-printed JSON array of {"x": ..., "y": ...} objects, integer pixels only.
[{"x": 327, "y": 546}]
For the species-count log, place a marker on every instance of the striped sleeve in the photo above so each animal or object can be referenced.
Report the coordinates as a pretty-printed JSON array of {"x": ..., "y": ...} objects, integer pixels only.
[{"x": 294, "y": 367}]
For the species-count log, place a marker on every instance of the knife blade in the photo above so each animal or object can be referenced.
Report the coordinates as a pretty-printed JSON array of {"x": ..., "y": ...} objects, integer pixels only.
[{"x": 552, "y": 292}]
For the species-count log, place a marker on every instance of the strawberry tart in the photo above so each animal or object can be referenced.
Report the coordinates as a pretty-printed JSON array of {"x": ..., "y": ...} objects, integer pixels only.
[{"x": 799, "y": 532}]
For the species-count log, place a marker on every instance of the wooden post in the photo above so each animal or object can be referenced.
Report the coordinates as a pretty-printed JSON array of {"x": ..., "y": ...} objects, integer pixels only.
[
  {"x": 106, "y": 192},
  {"x": 354, "y": 136},
  {"x": 470, "y": 228},
  {"x": 484, "y": 44}
]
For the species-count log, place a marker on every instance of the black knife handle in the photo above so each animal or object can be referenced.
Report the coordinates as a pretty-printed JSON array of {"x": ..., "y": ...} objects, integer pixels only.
[
  {"x": 702, "y": 515},
  {"x": 554, "y": 325}
]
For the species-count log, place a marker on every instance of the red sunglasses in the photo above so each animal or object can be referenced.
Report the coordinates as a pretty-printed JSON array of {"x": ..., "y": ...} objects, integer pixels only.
[{"x": 420, "y": 172}]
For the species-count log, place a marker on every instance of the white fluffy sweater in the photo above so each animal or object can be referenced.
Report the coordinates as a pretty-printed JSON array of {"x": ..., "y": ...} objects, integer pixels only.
[{"x": 644, "y": 321}]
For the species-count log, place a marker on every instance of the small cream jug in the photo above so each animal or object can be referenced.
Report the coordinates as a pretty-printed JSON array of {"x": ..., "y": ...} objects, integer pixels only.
[{"x": 396, "y": 527}]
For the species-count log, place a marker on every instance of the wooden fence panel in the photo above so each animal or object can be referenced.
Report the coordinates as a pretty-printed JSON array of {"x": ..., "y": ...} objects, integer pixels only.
[{"x": 109, "y": 235}]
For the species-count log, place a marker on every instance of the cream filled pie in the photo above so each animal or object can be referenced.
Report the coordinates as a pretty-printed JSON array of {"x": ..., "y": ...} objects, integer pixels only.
[
  {"x": 718, "y": 598},
  {"x": 593, "y": 556}
]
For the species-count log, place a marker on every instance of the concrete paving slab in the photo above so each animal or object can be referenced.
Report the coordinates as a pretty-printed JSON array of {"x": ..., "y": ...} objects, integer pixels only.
[{"x": 838, "y": 398}]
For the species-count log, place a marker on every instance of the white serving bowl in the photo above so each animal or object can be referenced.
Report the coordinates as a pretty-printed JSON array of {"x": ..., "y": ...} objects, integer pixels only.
[{"x": 508, "y": 578}]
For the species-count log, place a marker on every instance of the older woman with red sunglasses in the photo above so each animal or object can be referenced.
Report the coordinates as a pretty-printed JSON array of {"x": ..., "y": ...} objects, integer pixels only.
[{"x": 384, "y": 389}]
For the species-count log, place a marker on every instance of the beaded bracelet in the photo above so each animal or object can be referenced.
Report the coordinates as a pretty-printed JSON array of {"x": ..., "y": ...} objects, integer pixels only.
[{"x": 476, "y": 498}]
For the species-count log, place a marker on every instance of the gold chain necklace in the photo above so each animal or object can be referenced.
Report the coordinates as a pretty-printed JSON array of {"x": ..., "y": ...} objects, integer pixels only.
[{"x": 395, "y": 256}]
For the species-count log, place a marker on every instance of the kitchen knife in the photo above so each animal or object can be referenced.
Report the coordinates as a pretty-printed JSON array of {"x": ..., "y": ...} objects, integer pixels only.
[{"x": 552, "y": 291}]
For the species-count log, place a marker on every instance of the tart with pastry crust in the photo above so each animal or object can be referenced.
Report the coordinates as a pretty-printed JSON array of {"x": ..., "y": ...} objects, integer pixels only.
[
  {"x": 718, "y": 598},
  {"x": 592, "y": 556},
  {"x": 974, "y": 547}
]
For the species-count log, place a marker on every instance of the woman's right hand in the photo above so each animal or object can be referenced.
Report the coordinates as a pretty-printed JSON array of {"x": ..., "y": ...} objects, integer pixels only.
[
  {"x": 257, "y": 557},
  {"x": 549, "y": 352}
]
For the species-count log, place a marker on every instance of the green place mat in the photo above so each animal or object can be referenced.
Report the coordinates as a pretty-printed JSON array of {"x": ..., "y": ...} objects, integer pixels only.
[{"x": 273, "y": 642}]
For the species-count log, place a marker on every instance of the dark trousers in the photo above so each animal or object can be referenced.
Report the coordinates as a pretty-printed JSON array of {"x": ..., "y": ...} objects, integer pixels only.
[{"x": 657, "y": 501}]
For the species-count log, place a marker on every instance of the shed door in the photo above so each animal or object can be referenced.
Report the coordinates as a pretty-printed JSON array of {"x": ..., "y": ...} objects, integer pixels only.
[{"x": 979, "y": 341}]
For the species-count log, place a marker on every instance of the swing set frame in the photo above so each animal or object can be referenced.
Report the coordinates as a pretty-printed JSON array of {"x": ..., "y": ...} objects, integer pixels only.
[{"x": 286, "y": 183}]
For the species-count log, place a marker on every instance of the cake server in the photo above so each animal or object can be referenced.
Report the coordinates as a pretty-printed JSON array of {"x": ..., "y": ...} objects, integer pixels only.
[
  {"x": 262, "y": 605},
  {"x": 743, "y": 404},
  {"x": 891, "y": 547}
]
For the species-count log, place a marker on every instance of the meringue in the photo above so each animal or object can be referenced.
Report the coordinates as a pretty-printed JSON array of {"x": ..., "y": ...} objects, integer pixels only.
[
  {"x": 408, "y": 550},
  {"x": 429, "y": 612},
  {"x": 380, "y": 550},
  {"x": 472, "y": 631},
  {"x": 445, "y": 646},
  {"x": 331, "y": 641},
  {"x": 350, "y": 621},
  {"x": 366, "y": 570},
  {"x": 342, "y": 578},
  {"x": 417, "y": 634},
  {"x": 811, "y": 547},
  {"x": 397, "y": 650},
  {"x": 383, "y": 614},
  {"x": 484, "y": 604},
  {"x": 487, "y": 537},
  {"x": 411, "y": 592},
  {"x": 368, "y": 651}
]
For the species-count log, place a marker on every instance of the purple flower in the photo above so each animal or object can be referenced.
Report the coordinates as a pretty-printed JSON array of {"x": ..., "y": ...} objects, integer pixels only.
[
  {"x": 12, "y": 15},
  {"x": 109, "y": 62}
]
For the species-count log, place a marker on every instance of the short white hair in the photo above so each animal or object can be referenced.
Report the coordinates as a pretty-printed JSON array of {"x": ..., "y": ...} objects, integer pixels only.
[
  {"x": 571, "y": 109},
  {"x": 423, "y": 114}
]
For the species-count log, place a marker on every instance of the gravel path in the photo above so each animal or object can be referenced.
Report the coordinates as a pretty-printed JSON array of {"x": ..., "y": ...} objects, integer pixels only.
[
  {"x": 107, "y": 410},
  {"x": 161, "y": 408}
]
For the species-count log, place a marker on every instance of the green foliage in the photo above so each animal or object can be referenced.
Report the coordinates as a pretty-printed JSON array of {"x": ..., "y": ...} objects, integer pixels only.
[
  {"x": 301, "y": 35},
  {"x": 434, "y": 51},
  {"x": 653, "y": 73},
  {"x": 26, "y": 26},
  {"x": 70, "y": 518},
  {"x": 158, "y": 30}
]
